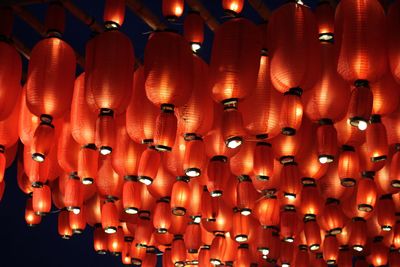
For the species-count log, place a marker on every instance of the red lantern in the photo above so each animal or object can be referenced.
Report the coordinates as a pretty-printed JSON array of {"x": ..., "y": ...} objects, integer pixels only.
[
  {"x": 376, "y": 140},
  {"x": 310, "y": 201},
  {"x": 348, "y": 167},
  {"x": 290, "y": 180},
  {"x": 109, "y": 183},
  {"x": 109, "y": 217},
  {"x": 394, "y": 174},
  {"x": 73, "y": 197},
  {"x": 246, "y": 195},
  {"x": 232, "y": 127},
  {"x": 88, "y": 164},
  {"x": 267, "y": 211},
  {"x": 240, "y": 227},
  {"x": 291, "y": 112},
  {"x": 27, "y": 122},
  {"x": 100, "y": 240},
  {"x": 131, "y": 197},
  {"x": 330, "y": 249},
  {"x": 114, "y": 12},
  {"x": 301, "y": 257},
  {"x": 172, "y": 9},
  {"x": 243, "y": 256},
  {"x": 116, "y": 242},
  {"x": 194, "y": 159},
  {"x": 178, "y": 251},
  {"x": 67, "y": 149},
  {"x": 332, "y": 217},
  {"x": 379, "y": 254},
  {"x": 366, "y": 193},
  {"x": 144, "y": 230},
  {"x": 312, "y": 234},
  {"x": 393, "y": 40},
  {"x": 166, "y": 127},
  {"x": 137, "y": 253},
  {"x": 193, "y": 237},
  {"x": 217, "y": 249},
  {"x": 289, "y": 225},
  {"x": 193, "y": 29},
  {"x": 41, "y": 200},
  {"x": 162, "y": 216},
  {"x": 386, "y": 95},
  {"x": 196, "y": 190},
  {"x": 394, "y": 258},
  {"x": 77, "y": 222},
  {"x": 180, "y": 196},
  {"x": 148, "y": 165},
  {"x": 263, "y": 165},
  {"x": 64, "y": 230},
  {"x": 358, "y": 234},
  {"x": 386, "y": 213},
  {"x": 218, "y": 174},
  {"x": 83, "y": 125},
  {"x": 31, "y": 218},
  {"x": 327, "y": 141},
  {"x": 232, "y": 6}
]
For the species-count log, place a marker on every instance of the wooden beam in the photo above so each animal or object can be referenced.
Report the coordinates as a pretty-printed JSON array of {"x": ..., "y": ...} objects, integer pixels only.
[
  {"x": 261, "y": 9},
  {"x": 198, "y": 6},
  {"x": 138, "y": 7},
  {"x": 82, "y": 16},
  {"x": 21, "y": 47}
]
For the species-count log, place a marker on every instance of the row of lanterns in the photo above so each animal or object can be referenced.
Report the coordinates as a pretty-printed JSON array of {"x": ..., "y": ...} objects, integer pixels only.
[{"x": 285, "y": 149}]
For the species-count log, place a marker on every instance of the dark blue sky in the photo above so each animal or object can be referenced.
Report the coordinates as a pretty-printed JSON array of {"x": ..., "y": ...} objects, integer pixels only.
[{"x": 41, "y": 246}]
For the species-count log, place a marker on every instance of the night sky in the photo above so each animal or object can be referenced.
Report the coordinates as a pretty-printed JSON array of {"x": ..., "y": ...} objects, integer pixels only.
[{"x": 41, "y": 246}]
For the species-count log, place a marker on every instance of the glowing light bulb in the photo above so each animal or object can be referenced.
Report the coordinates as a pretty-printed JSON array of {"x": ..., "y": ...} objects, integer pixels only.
[{"x": 362, "y": 125}]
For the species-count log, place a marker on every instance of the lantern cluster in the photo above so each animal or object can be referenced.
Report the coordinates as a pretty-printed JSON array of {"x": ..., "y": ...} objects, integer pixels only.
[{"x": 284, "y": 149}]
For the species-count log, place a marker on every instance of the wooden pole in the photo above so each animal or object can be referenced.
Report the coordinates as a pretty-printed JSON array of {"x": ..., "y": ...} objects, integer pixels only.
[
  {"x": 261, "y": 9},
  {"x": 82, "y": 16},
  {"x": 138, "y": 7}
]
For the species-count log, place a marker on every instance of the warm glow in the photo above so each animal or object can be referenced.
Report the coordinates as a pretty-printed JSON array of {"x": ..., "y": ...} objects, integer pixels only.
[
  {"x": 234, "y": 6},
  {"x": 178, "y": 10},
  {"x": 362, "y": 125},
  {"x": 195, "y": 47},
  {"x": 234, "y": 143}
]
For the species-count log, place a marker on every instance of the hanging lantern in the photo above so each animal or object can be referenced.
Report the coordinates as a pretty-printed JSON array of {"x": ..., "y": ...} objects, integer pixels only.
[
  {"x": 218, "y": 174},
  {"x": 115, "y": 242},
  {"x": 240, "y": 227},
  {"x": 287, "y": 253},
  {"x": 217, "y": 248},
  {"x": 332, "y": 217},
  {"x": 148, "y": 165},
  {"x": 194, "y": 159},
  {"x": 109, "y": 217},
  {"x": 348, "y": 167},
  {"x": 31, "y": 218},
  {"x": 246, "y": 195},
  {"x": 312, "y": 234},
  {"x": 178, "y": 251},
  {"x": 131, "y": 197},
  {"x": 291, "y": 112},
  {"x": 233, "y": 7},
  {"x": 301, "y": 257},
  {"x": 166, "y": 126},
  {"x": 376, "y": 138},
  {"x": 232, "y": 126},
  {"x": 358, "y": 234},
  {"x": 267, "y": 211},
  {"x": 327, "y": 141},
  {"x": 289, "y": 224},
  {"x": 310, "y": 200},
  {"x": 192, "y": 237},
  {"x": 88, "y": 164},
  {"x": 109, "y": 184},
  {"x": 193, "y": 29},
  {"x": 180, "y": 196},
  {"x": 330, "y": 249},
  {"x": 64, "y": 230},
  {"x": 379, "y": 253},
  {"x": 114, "y": 12},
  {"x": 263, "y": 165},
  {"x": 196, "y": 190},
  {"x": 366, "y": 193},
  {"x": 137, "y": 253},
  {"x": 77, "y": 222},
  {"x": 41, "y": 200},
  {"x": 172, "y": 9},
  {"x": 290, "y": 180},
  {"x": 73, "y": 198},
  {"x": 386, "y": 213}
]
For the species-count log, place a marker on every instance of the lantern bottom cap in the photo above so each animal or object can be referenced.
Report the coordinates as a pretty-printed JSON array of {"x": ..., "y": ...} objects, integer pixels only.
[
  {"x": 193, "y": 172},
  {"x": 288, "y": 131},
  {"x": 87, "y": 181},
  {"x": 179, "y": 211},
  {"x": 241, "y": 238},
  {"x": 348, "y": 182},
  {"x": 365, "y": 207},
  {"x": 163, "y": 148},
  {"x": 145, "y": 180},
  {"x": 358, "y": 248},
  {"x": 110, "y": 229},
  {"x": 131, "y": 210},
  {"x": 38, "y": 157},
  {"x": 323, "y": 159},
  {"x": 234, "y": 142},
  {"x": 395, "y": 183},
  {"x": 335, "y": 231},
  {"x": 105, "y": 150}
]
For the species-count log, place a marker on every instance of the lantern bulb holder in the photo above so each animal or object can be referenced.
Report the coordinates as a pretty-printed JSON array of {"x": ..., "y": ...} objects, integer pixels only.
[
  {"x": 362, "y": 125},
  {"x": 358, "y": 248},
  {"x": 290, "y": 196},
  {"x": 105, "y": 150},
  {"x": 396, "y": 183},
  {"x": 131, "y": 210},
  {"x": 110, "y": 230},
  {"x": 145, "y": 180},
  {"x": 193, "y": 172},
  {"x": 335, "y": 231},
  {"x": 264, "y": 251},
  {"x": 215, "y": 261},
  {"x": 314, "y": 247},
  {"x": 324, "y": 159},
  {"x": 76, "y": 211},
  {"x": 87, "y": 181},
  {"x": 38, "y": 157},
  {"x": 365, "y": 207},
  {"x": 234, "y": 142},
  {"x": 288, "y": 239},
  {"x": 195, "y": 47},
  {"x": 386, "y": 228},
  {"x": 241, "y": 238},
  {"x": 245, "y": 212},
  {"x": 216, "y": 193},
  {"x": 285, "y": 265},
  {"x": 197, "y": 219}
]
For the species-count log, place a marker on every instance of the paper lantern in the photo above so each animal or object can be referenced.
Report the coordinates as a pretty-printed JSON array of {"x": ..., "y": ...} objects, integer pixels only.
[
  {"x": 193, "y": 29},
  {"x": 109, "y": 217},
  {"x": 348, "y": 166},
  {"x": 64, "y": 230},
  {"x": 31, "y": 218},
  {"x": 180, "y": 196},
  {"x": 41, "y": 200},
  {"x": 131, "y": 197},
  {"x": 358, "y": 234},
  {"x": 330, "y": 249},
  {"x": 114, "y": 12},
  {"x": 172, "y": 9},
  {"x": 148, "y": 165}
]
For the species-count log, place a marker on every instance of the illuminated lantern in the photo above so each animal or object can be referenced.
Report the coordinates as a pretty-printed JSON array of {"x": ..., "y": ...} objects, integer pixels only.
[
  {"x": 263, "y": 165},
  {"x": 166, "y": 258},
  {"x": 125, "y": 257},
  {"x": 386, "y": 99},
  {"x": 267, "y": 211},
  {"x": 83, "y": 120},
  {"x": 162, "y": 216},
  {"x": 246, "y": 195},
  {"x": 232, "y": 6},
  {"x": 218, "y": 174},
  {"x": 51, "y": 76},
  {"x": 150, "y": 259},
  {"x": 361, "y": 61},
  {"x": 137, "y": 253},
  {"x": 394, "y": 174},
  {"x": 126, "y": 155},
  {"x": 376, "y": 138},
  {"x": 379, "y": 253},
  {"x": 41, "y": 200},
  {"x": 310, "y": 200},
  {"x": 312, "y": 234},
  {"x": 301, "y": 257},
  {"x": 77, "y": 222},
  {"x": 167, "y": 55},
  {"x": 287, "y": 253},
  {"x": 194, "y": 159},
  {"x": 162, "y": 184},
  {"x": 88, "y": 164},
  {"x": 143, "y": 231},
  {"x": 345, "y": 257},
  {"x": 109, "y": 184},
  {"x": 31, "y": 218},
  {"x": 67, "y": 149},
  {"x": 330, "y": 249},
  {"x": 366, "y": 193},
  {"x": 116, "y": 242},
  {"x": 64, "y": 230},
  {"x": 196, "y": 190},
  {"x": 180, "y": 196},
  {"x": 327, "y": 141},
  {"x": 204, "y": 256},
  {"x": 172, "y": 9},
  {"x": 27, "y": 122},
  {"x": 234, "y": 66},
  {"x": 141, "y": 113},
  {"x": 131, "y": 197},
  {"x": 217, "y": 249},
  {"x": 393, "y": 40},
  {"x": 192, "y": 237},
  {"x": 394, "y": 258},
  {"x": 332, "y": 217},
  {"x": 100, "y": 240},
  {"x": 243, "y": 256},
  {"x": 289, "y": 224},
  {"x": 109, "y": 217},
  {"x": 178, "y": 251},
  {"x": 348, "y": 167},
  {"x": 358, "y": 234},
  {"x": 386, "y": 213},
  {"x": 148, "y": 165},
  {"x": 109, "y": 74},
  {"x": 114, "y": 12},
  {"x": 147, "y": 201},
  {"x": 290, "y": 180},
  {"x": 73, "y": 198},
  {"x": 294, "y": 59},
  {"x": 240, "y": 227},
  {"x": 10, "y": 67},
  {"x": 193, "y": 29}
]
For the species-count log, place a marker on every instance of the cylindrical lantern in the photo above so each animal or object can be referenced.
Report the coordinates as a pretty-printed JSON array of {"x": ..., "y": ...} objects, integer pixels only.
[
  {"x": 64, "y": 230},
  {"x": 41, "y": 200},
  {"x": 172, "y": 9},
  {"x": 148, "y": 165},
  {"x": 366, "y": 193},
  {"x": 348, "y": 167},
  {"x": 180, "y": 196},
  {"x": 109, "y": 217},
  {"x": 376, "y": 139},
  {"x": 193, "y": 29}
]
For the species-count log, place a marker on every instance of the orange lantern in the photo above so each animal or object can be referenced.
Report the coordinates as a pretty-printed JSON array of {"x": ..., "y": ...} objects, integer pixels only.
[
  {"x": 143, "y": 231},
  {"x": 379, "y": 253},
  {"x": 131, "y": 197},
  {"x": 77, "y": 222},
  {"x": 301, "y": 257},
  {"x": 312, "y": 234},
  {"x": 291, "y": 112},
  {"x": 31, "y": 218},
  {"x": 358, "y": 234},
  {"x": 137, "y": 253},
  {"x": 64, "y": 230},
  {"x": 243, "y": 256},
  {"x": 100, "y": 240},
  {"x": 218, "y": 174},
  {"x": 162, "y": 216},
  {"x": 193, "y": 237},
  {"x": 386, "y": 213},
  {"x": 287, "y": 253},
  {"x": 178, "y": 251},
  {"x": 232, "y": 6},
  {"x": 172, "y": 9},
  {"x": 196, "y": 190},
  {"x": 366, "y": 193},
  {"x": 348, "y": 166},
  {"x": 263, "y": 165},
  {"x": 116, "y": 242},
  {"x": 327, "y": 141},
  {"x": 246, "y": 195},
  {"x": 41, "y": 200},
  {"x": 193, "y": 29},
  {"x": 332, "y": 217},
  {"x": 109, "y": 217},
  {"x": 114, "y": 12},
  {"x": 240, "y": 227},
  {"x": 310, "y": 201},
  {"x": 232, "y": 126},
  {"x": 289, "y": 225},
  {"x": 109, "y": 183},
  {"x": 166, "y": 126},
  {"x": 330, "y": 249},
  {"x": 394, "y": 174},
  {"x": 148, "y": 165},
  {"x": 195, "y": 157},
  {"x": 376, "y": 140},
  {"x": 88, "y": 164},
  {"x": 267, "y": 211},
  {"x": 73, "y": 198},
  {"x": 180, "y": 196},
  {"x": 217, "y": 249},
  {"x": 290, "y": 180}
]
